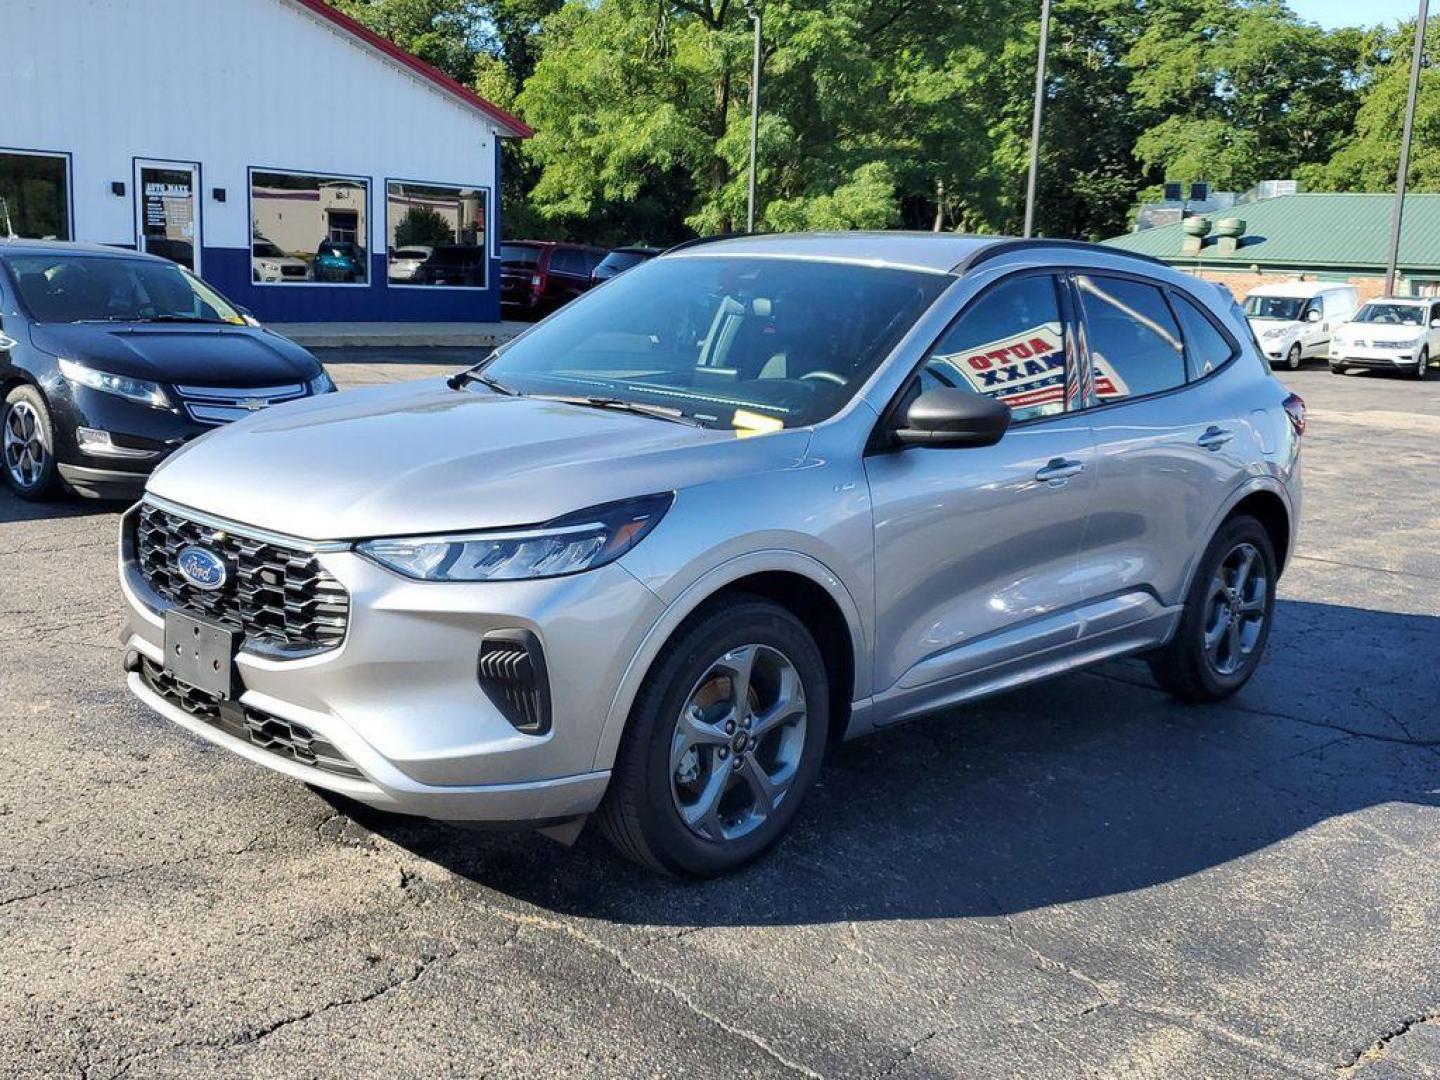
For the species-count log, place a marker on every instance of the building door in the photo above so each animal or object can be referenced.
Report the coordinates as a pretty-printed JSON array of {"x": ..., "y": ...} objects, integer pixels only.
[{"x": 167, "y": 211}]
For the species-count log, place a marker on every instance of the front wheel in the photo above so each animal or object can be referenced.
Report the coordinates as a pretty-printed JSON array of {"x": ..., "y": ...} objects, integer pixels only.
[
  {"x": 1337, "y": 369},
  {"x": 1226, "y": 621},
  {"x": 724, "y": 741},
  {"x": 1292, "y": 358},
  {"x": 28, "y": 442},
  {"x": 1422, "y": 364}
]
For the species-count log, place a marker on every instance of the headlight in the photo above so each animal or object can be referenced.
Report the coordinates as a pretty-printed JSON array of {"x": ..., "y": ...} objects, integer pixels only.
[
  {"x": 567, "y": 545},
  {"x": 140, "y": 390},
  {"x": 269, "y": 268},
  {"x": 321, "y": 384}
]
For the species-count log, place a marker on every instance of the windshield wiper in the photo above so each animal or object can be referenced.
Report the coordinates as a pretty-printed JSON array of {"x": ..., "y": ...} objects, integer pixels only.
[
  {"x": 184, "y": 319},
  {"x": 459, "y": 380},
  {"x": 639, "y": 408}
]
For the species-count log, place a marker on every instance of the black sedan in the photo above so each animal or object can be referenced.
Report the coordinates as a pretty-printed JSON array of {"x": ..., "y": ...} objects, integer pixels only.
[{"x": 109, "y": 360}]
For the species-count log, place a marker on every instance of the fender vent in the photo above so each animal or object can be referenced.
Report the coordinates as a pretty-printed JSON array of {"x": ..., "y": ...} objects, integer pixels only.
[{"x": 512, "y": 674}]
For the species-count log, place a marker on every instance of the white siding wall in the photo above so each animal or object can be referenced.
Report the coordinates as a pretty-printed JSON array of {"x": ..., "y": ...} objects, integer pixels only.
[{"x": 227, "y": 83}]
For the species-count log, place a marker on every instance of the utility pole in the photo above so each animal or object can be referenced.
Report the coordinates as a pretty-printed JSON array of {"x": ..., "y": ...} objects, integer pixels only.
[
  {"x": 1035, "y": 119},
  {"x": 754, "y": 11},
  {"x": 1390, "y": 266}
]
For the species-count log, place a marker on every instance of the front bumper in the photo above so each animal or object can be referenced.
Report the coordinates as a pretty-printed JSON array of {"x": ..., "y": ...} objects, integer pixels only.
[
  {"x": 1383, "y": 359},
  {"x": 400, "y": 697}
]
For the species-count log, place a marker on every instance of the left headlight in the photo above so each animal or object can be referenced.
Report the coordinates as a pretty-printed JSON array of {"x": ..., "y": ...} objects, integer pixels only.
[
  {"x": 567, "y": 545},
  {"x": 138, "y": 390},
  {"x": 321, "y": 384}
]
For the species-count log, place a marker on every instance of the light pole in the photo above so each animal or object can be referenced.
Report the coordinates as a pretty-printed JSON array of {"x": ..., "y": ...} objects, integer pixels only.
[
  {"x": 1035, "y": 119},
  {"x": 1405, "y": 148},
  {"x": 754, "y": 11}
]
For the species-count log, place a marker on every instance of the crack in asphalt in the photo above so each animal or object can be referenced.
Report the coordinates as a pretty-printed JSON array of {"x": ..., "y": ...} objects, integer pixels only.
[
  {"x": 1381, "y": 1046},
  {"x": 1362, "y": 566}
]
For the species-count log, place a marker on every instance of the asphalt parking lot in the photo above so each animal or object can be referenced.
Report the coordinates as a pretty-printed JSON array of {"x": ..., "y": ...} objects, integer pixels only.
[{"x": 1079, "y": 879}]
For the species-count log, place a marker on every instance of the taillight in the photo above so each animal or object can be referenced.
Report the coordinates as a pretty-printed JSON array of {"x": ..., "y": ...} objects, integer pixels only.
[
  {"x": 1295, "y": 409},
  {"x": 537, "y": 282}
]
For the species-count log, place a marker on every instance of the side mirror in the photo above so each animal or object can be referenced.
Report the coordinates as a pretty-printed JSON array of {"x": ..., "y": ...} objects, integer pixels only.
[
  {"x": 1312, "y": 316},
  {"x": 1434, "y": 324},
  {"x": 946, "y": 416}
]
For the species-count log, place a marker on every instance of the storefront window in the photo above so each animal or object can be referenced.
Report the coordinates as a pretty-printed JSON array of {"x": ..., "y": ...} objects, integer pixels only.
[
  {"x": 34, "y": 195},
  {"x": 437, "y": 235},
  {"x": 306, "y": 228}
]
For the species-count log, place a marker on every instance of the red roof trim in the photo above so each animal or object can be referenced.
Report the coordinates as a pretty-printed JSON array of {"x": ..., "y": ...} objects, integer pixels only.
[{"x": 510, "y": 125}]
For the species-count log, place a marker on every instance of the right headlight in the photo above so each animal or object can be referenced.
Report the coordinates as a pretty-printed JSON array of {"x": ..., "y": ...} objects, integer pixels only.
[
  {"x": 139, "y": 390},
  {"x": 566, "y": 545}
]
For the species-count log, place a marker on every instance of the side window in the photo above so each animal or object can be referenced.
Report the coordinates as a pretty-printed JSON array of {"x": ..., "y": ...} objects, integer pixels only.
[
  {"x": 567, "y": 261},
  {"x": 1434, "y": 312},
  {"x": 1009, "y": 344},
  {"x": 1134, "y": 341},
  {"x": 1205, "y": 347}
]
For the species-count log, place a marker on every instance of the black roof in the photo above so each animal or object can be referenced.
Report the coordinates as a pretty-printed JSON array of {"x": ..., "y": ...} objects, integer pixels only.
[{"x": 68, "y": 247}]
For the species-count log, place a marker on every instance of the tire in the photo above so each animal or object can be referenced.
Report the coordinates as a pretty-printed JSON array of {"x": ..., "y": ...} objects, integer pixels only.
[
  {"x": 672, "y": 755},
  {"x": 1188, "y": 666},
  {"x": 1292, "y": 358},
  {"x": 27, "y": 445},
  {"x": 1337, "y": 369},
  {"x": 1422, "y": 365}
]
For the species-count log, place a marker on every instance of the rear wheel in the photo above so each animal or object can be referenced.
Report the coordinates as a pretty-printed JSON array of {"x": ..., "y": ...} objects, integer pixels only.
[
  {"x": 723, "y": 743},
  {"x": 28, "y": 444},
  {"x": 1226, "y": 622},
  {"x": 1292, "y": 358}
]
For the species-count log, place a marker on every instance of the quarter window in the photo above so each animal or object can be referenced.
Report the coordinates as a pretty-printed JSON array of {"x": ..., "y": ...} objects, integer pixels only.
[
  {"x": 320, "y": 224},
  {"x": 1008, "y": 345},
  {"x": 437, "y": 234},
  {"x": 1134, "y": 341},
  {"x": 1205, "y": 347},
  {"x": 34, "y": 195}
]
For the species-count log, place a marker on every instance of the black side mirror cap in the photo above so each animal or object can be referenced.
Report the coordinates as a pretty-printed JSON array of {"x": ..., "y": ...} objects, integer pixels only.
[{"x": 946, "y": 416}]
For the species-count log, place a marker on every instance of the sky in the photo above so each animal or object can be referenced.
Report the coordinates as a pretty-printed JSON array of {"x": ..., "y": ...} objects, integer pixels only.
[{"x": 1332, "y": 13}]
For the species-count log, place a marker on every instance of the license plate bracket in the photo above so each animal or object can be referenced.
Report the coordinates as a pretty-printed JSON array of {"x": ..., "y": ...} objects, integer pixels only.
[{"x": 201, "y": 653}]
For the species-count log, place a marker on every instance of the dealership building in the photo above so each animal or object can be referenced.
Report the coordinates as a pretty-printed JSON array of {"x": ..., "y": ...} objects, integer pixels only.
[{"x": 305, "y": 166}]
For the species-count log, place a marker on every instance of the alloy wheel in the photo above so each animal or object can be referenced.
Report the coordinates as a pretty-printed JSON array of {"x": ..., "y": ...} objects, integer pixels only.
[
  {"x": 24, "y": 445},
  {"x": 1236, "y": 609},
  {"x": 737, "y": 743}
]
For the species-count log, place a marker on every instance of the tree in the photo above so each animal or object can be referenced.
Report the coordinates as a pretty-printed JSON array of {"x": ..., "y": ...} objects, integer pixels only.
[{"x": 422, "y": 226}]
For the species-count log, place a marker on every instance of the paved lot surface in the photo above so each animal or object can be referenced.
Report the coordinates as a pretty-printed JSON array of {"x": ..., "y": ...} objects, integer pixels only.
[{"x": 1081, "y": 879}]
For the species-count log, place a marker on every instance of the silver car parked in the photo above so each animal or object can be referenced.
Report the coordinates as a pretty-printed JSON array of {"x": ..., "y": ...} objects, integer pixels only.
[{"x": 750, "y": 498}]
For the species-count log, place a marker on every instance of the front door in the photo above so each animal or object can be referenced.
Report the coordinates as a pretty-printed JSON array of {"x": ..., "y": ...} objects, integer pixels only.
[
  {"x": 167, "y": 211},
  {"x": 976, "y": 549}
]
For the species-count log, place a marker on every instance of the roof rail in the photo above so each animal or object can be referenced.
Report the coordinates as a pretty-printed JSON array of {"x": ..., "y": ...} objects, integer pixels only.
[
  {"x": 705, "y": 240},
  {"x": 1005, "y": 247}
]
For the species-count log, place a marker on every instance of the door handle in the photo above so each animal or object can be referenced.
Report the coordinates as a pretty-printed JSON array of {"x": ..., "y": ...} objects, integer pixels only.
[
  {"x": 1215, "y": 437},
  {"x": 1057, "y": 470}
]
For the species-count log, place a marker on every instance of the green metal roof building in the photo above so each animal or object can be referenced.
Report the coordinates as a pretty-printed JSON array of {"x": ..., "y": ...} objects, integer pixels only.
[{"x": 1324, "y": 235}]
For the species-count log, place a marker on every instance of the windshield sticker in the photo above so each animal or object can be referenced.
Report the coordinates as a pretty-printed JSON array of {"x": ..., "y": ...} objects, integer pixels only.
[{"x": 1027, "y": 370}]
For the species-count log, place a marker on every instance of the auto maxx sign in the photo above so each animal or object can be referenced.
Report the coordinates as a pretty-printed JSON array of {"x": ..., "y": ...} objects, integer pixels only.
[{"x": 1027, "y": 371}]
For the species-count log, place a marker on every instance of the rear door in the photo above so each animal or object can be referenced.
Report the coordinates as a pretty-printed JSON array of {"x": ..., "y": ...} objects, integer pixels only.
[
  {"x": 569, "y": 273},
  {"x": 1172, "y": 438},
  {"x": 976, "y": 549}
]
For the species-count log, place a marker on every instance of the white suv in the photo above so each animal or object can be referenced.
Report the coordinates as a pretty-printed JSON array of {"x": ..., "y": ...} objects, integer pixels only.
[{"x": 1396, "y": 333}]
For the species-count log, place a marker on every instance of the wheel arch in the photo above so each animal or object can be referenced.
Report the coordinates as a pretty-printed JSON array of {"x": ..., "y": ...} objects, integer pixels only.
[
  {"x": 803, "y": 586},
  {"x": 1266, "y": 500}
]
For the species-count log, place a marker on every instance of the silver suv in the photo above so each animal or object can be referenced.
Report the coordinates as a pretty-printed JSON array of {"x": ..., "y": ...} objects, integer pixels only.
[{"x": 748, "y": 499}]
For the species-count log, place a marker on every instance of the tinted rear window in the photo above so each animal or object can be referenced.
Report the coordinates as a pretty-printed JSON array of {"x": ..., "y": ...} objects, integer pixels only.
[{"x": 519, "y": 253}]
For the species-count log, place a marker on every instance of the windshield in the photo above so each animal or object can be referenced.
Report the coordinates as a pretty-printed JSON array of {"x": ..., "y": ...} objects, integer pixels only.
[
  {"x": 264, "y": 249},
  {"x": 755, "y": 344},
  {"x": 410, "y": 253},
  {"x": 67, "y": 288},
  {"x": 1287, "y": 308},
  {"x": 519, "y": 253},
  {"x": 1391, "y": 314}
]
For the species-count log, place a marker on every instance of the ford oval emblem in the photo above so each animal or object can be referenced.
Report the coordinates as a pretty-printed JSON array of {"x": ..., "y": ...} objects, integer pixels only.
[{"x": 201, "y": 567}]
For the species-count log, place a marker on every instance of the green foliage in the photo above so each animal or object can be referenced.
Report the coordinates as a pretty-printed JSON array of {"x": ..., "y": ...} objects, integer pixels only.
[
  {"x": 913, "y": 113},
  {"x": 424, "y": 227}
]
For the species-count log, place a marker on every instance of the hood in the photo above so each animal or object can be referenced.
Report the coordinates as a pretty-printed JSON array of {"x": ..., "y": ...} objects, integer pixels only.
[
  {"x": 179, "y": 352},
  {"x": 1260, "y": 325},
  {"x": 1380, "y": 331},
  {"x": 418, "y": 457}
]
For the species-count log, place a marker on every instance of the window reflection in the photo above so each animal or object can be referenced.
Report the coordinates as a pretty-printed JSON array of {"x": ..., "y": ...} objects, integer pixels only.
[
  {"x": 437, "y": 235},
  {"x": 36, "y": 196},
  {"x": 308, "y": 229}
]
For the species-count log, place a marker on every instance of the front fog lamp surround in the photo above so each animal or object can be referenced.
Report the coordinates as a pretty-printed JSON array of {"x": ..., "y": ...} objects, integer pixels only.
[
  {"x": 566, "y": 545},
  {"x": 141, "y": 391}
]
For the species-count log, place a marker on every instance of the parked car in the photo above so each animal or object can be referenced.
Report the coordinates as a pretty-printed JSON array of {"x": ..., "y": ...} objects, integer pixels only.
[
  {"x": 339, "y": 261},
  {"x": 1294, "y": 320},
  {"x": 754, "y": 496},
  {"x": 538, "y": 276},
  {"x": 455, "y": 264},
  {"x": 1396, "y": 333},
  {"x": 621, "y": 259},
  {"x": 268, "y": 264},
  {"x": 110, "y": 360},
  {"x": 405, "y": 263}
]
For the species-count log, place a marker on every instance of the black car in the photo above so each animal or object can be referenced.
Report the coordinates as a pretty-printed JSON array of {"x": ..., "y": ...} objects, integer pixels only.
[
  {"x": 621, "y": 259},
  {"x": 109, "y": 360}
]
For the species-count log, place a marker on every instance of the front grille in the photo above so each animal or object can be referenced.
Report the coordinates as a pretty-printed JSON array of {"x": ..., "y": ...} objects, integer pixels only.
[
  {"x": 284, "y": 738},
  {"x": 226, "y": 404},
  {"x": 280, "y": 598}
]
